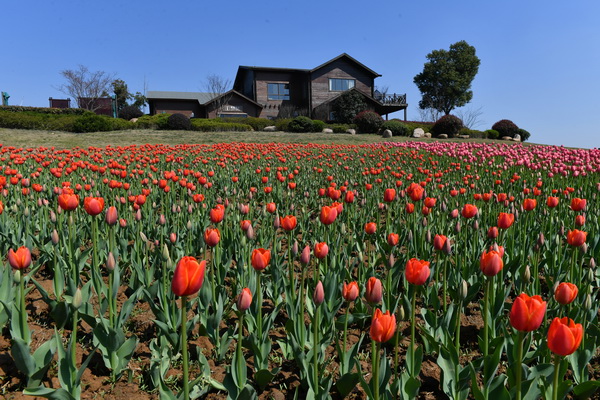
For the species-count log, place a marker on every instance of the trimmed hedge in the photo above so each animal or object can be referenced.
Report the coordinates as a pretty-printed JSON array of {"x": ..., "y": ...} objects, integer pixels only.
[
  {"x": 179, "y": 122},
  {"x": 258, "y": 124},
  {"x": 396, "y": 127},
  {"x": 207, "y": 125},
  {"x": 339, "y": 128},
  {"x": 448, "y": 124},
  {"x": 492, "y": 134},
  {"x": 157, "y": 121},
  {"x": 368, "y": 121},
  {"x": 46, "y": 110},
  {"x": 506, "y": 128}
]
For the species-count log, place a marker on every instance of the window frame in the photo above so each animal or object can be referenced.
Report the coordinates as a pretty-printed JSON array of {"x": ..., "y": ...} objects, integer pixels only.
[
  {"x": 331, "y": 86},
  {"x": 280, "y": 95}
]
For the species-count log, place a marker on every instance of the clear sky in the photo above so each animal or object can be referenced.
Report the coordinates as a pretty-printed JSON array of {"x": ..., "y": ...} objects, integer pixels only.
[{"x": 540, "y": 60}]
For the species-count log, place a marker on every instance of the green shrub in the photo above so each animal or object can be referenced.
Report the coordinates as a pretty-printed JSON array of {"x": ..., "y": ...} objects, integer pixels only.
[
  {"x": 129, "y": 112},
  {"x": 368, "y": 121},
  {"x": 506, "y": 127},
  {"x": 397, "y": 128},
  {"x": 92, "y": 123},
  {"x": 301, "y": 125},
  {"x": 157, "y": 121},
  {"x": 46, "y": 110},
  {"x": 119, "y": 124},
  {"x": 339, "y": 128},
  {"x": 179, "y": 122},
  {"x": 347, "y": 106},
  {"x": 492, "y": 134},
  {"x": 282, "y": 124},
  {"x": 412, "y": 125},
  {"x": 211, "y": 125},
  {"x": 258, "y": 124},
  {"x": 318, "y": 125},
  {"x": 448, "y": 124},
  {"x": 524, "y": 134}
]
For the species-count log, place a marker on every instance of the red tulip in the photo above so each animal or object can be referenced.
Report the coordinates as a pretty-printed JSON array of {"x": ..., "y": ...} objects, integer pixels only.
[
  {"x": 188, "y": 276},
  {"x": 565, "y": 293},
  {"x": 217, "y": 214},
  {"x": 350, "y": 291},
  {"x": 93, "y": 205},
  {"x": 212, "y": 237},
  {"x": 271, "y": 208},
  {"x": 491, "y": 263},
  {"x": 505, "y": 220},
  {"x": 393, "y": 239},
  {"x": 288, "y": 223},
  {"x": 529, "y": 204},
  {"x": 111, "y": 215},
  {"x": 492, "y": 232},
  {"x": 564, "y": 336},
  {"x": 578, "y": 204},
  {"x": 410, "y": 208},
  {"x": 430, "y": 202},
  {"x": 21, "y": 259},
  {"x": 373, "y": 290},
  {"x": 389, "y": 195},
  {"x": 576, "y": 238},
  {"x": 370, "y": 228},
  {"x": 244, "y": 300},
  {"x": 328, "y": 215},
  {"x": 245, "y": 224},
  {"x": 552, "y": 202},
  {"x": 469, "y": 211},
  {"x": 321, "y": 250},
  {"x": 439, "y": 241},
  {"x": 68, "y": 202},
  {"x": 417, "y": 271},
  {"x": 383, "y": 326},
  {"x": 260, "y": 258},
  {"x": 415, "y": 191},
  {"x": 527, "y": 313},
  {"x": 580, "y": 220},
  {"x": 349, "y": 197}
]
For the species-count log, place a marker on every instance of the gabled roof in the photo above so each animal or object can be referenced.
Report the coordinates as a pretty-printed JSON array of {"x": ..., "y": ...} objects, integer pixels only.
[
  {"x": 202, "y": 97},
  {"x": 353, "y": 60}
]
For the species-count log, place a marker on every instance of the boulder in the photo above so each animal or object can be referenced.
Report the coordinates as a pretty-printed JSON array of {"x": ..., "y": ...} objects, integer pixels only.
[
  {"x": 517, "y": 138},
  {"x": 418, "y": 133},
  {"x": 133, "y": 120},
  {"x": 327, "y": 130},
  {"x": 427, "y": 135},
  {"x": 463, "y": 136},
  {"x": 351, "y": 131},
  {"x": 506, "y": 138},
  {"x": 442, "y": 136},
  {"x": 387, "y": 134},
  {"x": 270, "y": 128}
]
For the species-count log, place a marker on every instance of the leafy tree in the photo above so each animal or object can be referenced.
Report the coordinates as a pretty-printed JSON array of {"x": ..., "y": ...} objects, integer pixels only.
[
  {"x": 347, "y": 106},
  {"x": 446, "y": 79},
  {"x": 119, "y": 88}
]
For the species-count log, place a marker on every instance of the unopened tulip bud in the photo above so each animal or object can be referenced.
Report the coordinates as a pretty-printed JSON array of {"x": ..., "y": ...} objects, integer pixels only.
[
  {"x": 587, "y": 304},
  {"x": 173, "y": 237},
  {"x": 361, "y": 257},
  {"x": 464, "y": 290},
  {"x": 454, "y": 213},
  {"x": 541, "y": 239},
  {"x": 401, "y": 313},
  {"x": 77, "y": 299},
  {"x": 363, "y": 202},
  {"x": 424, "y": 222},
  {"x": 26, "y": 212},
  {"x": 143, "y": 236},
  {"x": 591, "y": 274},
  {"x": 165, "y": 252},
  {"x": 174, "y": 208},
  {"x": 71, "y": 222},
  {"x": 54, "y": 236},
  {"x": 18, "y": 203},
  {"x": 110, "y": 262},
  {"x": 457, "y": 227},
  {"x": 295, "y": 248},
  {"x": 319, "y": 294},
  {"x": 40, "y": 202},
  {"x": 123, "y": 223},
  {"x": 444, "y": 207},
  {"x": 190, "y": 209},
  {"x": 17, "y": 276},
  {"x": 428, "y": 236},
  {"x": 562, "y": 230},
  {"x": 592, "y": 263},
  {"x": 476, "y": 225},
  {"x": 138, "y": 215},
  {"x": 250, "y": 233},
  {"x": 391, "y": 260},
  {"x": 527, "y": 274},
  {"x": 343, "y": 228},
  {"x": 276, "y": 222},
  {"x": 447, "y": 249},
  {"x": 409, "y": 237},
  {"x": 305, "y": 256},
  {"x": 189, "y": 225},
  {"x": 52, "y": 216}
]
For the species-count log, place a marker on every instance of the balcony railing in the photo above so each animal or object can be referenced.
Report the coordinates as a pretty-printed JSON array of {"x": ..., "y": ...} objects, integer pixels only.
[{"x": 391, "y": 99}]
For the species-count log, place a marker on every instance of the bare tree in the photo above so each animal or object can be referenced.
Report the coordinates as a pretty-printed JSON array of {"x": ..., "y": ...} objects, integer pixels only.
[
  {"x": 429, "y": 114},
  {"x": 218, "y": 86},
  {"x": 470, "y": 117},
  {"x": 86, "y": 86},
  {"x": 382, "y": 90}
]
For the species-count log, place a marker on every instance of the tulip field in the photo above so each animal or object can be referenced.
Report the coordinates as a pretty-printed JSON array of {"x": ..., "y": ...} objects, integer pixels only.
[{"x": 300, "y": 271}]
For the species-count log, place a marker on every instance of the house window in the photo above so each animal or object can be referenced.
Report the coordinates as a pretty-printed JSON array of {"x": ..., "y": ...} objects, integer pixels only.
[
  {"x": 340, "y": 85},
  {"x": 278, "y": 91}
]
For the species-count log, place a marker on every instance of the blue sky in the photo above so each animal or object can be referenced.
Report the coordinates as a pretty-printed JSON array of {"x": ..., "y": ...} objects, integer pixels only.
[{"x": 540, "y": 60}]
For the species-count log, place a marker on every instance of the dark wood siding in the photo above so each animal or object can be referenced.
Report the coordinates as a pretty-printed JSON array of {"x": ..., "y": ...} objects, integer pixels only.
[
  {"x": 185, "y": 107},
  {"x": 298, "y": 102},
  {"x": 235, "y": 105},
  {"x": 342, "y": 69}
]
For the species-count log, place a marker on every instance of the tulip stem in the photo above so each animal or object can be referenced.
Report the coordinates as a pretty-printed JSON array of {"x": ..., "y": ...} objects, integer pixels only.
[
  {"x": 520, "y": 339},
  {"x": 444, "y": 283},
  {"x": 212, "y": 276},
  {"x": 316, "y": 351},
  {"x": 555, "y": 385},
  {"x": 259, "y": 303},
  {"x": 303, "y": 296},
  {"x": 241, "y": 361},
  {"x": 184, "y": 347},
  {"x": 396, "y": 340},
  {"x": 375, "y": 360},
  {"x": 412, "y": 330},
  {"x": 74, "y": 339},
  {"x": 486, "y": 306},
  {"x": 23, "y": 314},
  {"x": 291, "y": 270}
]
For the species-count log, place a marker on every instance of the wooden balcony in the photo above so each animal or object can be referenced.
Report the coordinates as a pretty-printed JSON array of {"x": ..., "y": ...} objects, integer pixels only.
[{"x": 392, "y": 99}]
